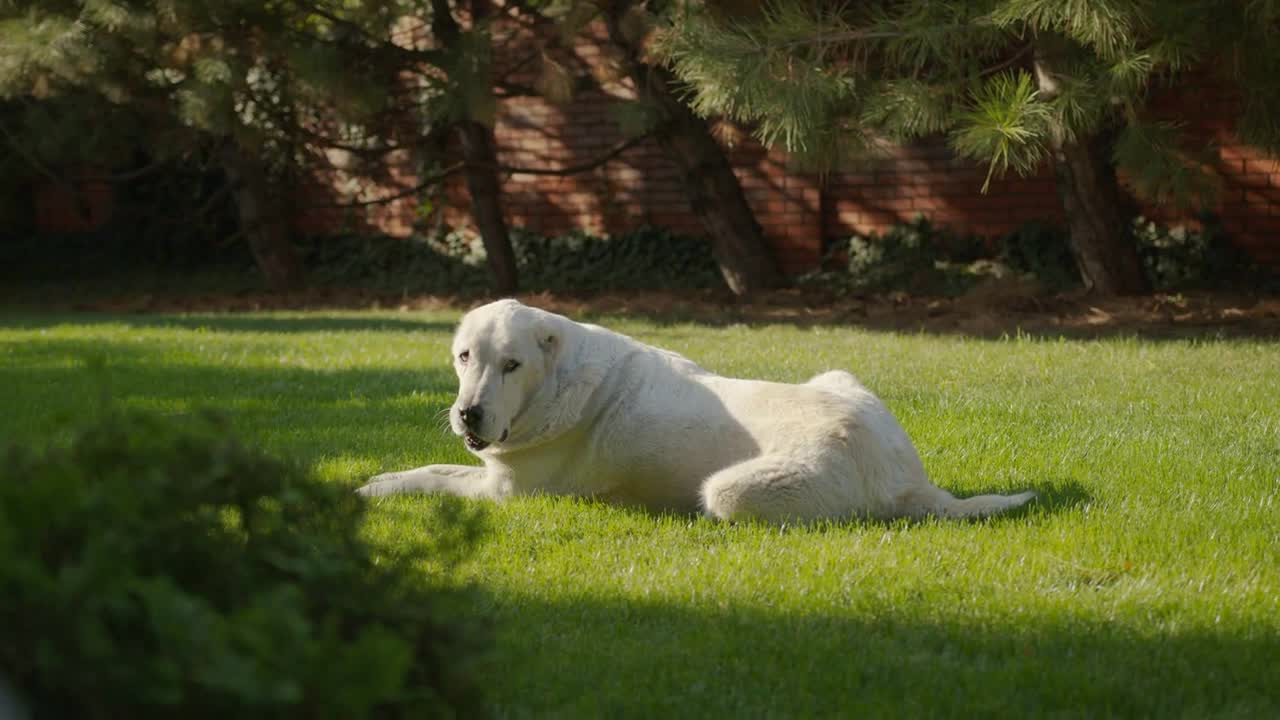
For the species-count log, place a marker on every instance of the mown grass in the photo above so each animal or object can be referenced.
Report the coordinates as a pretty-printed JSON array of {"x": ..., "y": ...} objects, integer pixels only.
[{"x": 1146, "y": 582}]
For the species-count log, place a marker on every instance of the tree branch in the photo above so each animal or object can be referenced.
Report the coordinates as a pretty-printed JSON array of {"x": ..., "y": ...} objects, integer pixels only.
[
  {"x": 443, "y": 175},
  {"x": 517, "y": 66},
  {"x": 429, "y": 181},
  {"x": 580, "y": 167},
  {"x": 432, "y": 57},
  {"x": 443, "y": 24},
  {"x": 511, "y": 90},
  {"x": 82, "y": 205},
  {"x": 1007, "y": 62}
]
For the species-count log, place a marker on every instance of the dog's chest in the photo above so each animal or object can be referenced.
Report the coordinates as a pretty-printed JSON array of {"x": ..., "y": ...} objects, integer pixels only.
[{"x": 619, "y": 469}]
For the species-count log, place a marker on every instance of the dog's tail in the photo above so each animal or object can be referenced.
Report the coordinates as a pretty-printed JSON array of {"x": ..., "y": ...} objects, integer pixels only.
[{"x": 982, "y": 505}]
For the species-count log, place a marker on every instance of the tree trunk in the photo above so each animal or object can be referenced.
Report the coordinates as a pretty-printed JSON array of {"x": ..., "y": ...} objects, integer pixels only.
[
  {"x": 486, "y": 203},
  {"x": 480, "y": 158},
  {"x": 715, "y": 195},
  {"x": 1100, "y": 229},
  {"x": 261, "y": 219},
  {"x": 1101, "y": 232}
]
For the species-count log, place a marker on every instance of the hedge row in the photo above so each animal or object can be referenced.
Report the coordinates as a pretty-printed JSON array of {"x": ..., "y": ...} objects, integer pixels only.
[
  {"x": 915, "y": 257},
  {"x": 647, "y": 259}
]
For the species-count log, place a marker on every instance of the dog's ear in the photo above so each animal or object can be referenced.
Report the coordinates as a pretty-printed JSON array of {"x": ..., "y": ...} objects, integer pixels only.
[
  {"x": 549, "y": 333},
  {"x": 549, "y": 341}
]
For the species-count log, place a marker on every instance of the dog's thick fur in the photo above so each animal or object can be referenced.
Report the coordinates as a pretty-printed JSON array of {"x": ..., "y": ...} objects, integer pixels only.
[{"x": 573, "y": 409}]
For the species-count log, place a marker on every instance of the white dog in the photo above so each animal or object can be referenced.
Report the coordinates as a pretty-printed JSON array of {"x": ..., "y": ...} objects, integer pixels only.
[{"x": 553, "y": 406}]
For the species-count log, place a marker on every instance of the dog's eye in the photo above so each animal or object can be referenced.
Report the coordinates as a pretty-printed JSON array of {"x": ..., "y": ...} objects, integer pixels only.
[
  {"x": 510, "y": 366},
  {"x": 464, "y": 356}
]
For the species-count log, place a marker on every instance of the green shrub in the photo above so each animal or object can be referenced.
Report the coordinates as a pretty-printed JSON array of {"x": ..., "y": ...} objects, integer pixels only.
[
  {"x": 414, "y": 264},
  {"x": 1174, "y": 257},
  {"x": 646, "y": 259},
  {"x": 155, "y": 566},
  {"x": 1042, "y": 252},
  {"x": 923, "y": 259},
  {"x": 1182, "y": 258},
  {"x": 916, "y": 257}
]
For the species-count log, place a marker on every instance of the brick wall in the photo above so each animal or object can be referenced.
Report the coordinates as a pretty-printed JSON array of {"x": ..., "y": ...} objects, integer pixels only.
[
  {"x": 799, "y": 211},
  {"x": 639, "y": 187},
  {"x": 79, "y": 205}
]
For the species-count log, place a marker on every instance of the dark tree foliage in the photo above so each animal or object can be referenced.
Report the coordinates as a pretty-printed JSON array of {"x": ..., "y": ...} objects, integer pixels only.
[
  {"x": 275, "y": 88},
  {"x": 1011, "y": 83}
]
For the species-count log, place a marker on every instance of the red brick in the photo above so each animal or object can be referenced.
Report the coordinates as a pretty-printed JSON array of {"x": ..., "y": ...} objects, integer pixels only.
[
  {"x": 1268, "y": 225},
  {"x": 1261, "y": 166},
  {"x": 1258, "y": 200}
]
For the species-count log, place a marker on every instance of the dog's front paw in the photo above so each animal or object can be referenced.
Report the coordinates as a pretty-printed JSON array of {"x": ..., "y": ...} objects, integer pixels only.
[{"x": 378, "y": 485}]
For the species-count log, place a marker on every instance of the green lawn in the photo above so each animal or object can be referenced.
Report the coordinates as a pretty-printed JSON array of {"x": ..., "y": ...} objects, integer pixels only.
[{"x": 1146, "y": 582}]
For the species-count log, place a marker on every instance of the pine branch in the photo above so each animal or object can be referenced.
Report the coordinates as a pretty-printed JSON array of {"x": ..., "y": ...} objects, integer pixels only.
[
  {"x": 1108, "y": 27},
  {"x": 386, "y": 45},
  {"x": 1006, "y": 125},
  {"x": 821, "y": 39},
  {"x": 1161, "y": 168}
]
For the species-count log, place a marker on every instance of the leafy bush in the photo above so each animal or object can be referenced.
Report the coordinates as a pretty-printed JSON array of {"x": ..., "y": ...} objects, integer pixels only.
[
  {"x": 1042, "y": 252},
  {"x": 648, "y": 258},
  {"x": 415, "y": 264},
  {"x": 1182, "y": 258},
  {"x": 109, "y": 255},
  {"x": 1175, "y": 257},
  {"x": 916, "y": 257},
  {"x": 157, "y": 566},
  {"x": 922, "y": 259}
]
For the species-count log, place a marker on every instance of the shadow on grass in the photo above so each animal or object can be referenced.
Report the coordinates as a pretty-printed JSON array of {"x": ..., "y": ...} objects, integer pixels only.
[
  {"x": 597, "y": 658},
  {"x": 1059, "y": 495},
  {"x": 1205, "y": 317},
  {"x": 227, "y": 322},
  {"x": 683, "y": 317},
  {"x": 994, "y": 327},
  {"x": 374, "y": 413}
]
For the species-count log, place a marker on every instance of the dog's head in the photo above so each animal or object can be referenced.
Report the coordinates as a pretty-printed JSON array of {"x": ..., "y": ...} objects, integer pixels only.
[{"x": 504, "y": 354}]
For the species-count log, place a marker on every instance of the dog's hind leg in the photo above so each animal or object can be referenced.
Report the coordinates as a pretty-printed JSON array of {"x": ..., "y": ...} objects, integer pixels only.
[
  {"x": 463, "y": 480},
  {"x": 838, "y": 382},
  {"x": 774, "y": 488}
]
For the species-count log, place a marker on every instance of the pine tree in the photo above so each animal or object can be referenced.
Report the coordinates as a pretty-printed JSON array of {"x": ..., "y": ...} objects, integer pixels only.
[
  {"x": 657, "y": 113},
  {"x": 1011, "y": 83},
  {"x": 473, "y": 78},
  {"x": 715, "y": 192}
]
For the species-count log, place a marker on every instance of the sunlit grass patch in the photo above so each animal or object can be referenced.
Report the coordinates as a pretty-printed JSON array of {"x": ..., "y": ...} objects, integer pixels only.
[{"x": 1146, "y": 581}]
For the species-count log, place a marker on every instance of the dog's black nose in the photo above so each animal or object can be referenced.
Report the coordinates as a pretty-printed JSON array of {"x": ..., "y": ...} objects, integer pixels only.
[{"x": 471, "y": 416}]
